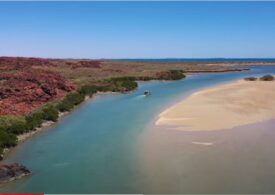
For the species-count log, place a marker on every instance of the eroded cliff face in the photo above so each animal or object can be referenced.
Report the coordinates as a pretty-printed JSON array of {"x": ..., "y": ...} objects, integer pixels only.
[
  {"x": 24, "y": 88},
  {"x": 10, "y": 172}
]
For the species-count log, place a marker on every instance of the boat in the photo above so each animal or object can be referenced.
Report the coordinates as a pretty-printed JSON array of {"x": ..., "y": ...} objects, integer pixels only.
[{"x": 147, "y": 93}]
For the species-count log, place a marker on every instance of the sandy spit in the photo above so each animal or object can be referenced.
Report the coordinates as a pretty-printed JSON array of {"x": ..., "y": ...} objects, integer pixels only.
[{"x": 222, "y": 107}]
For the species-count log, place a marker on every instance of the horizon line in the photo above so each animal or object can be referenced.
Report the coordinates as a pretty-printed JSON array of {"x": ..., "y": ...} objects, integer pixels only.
[{"x": 137, "y": 58}]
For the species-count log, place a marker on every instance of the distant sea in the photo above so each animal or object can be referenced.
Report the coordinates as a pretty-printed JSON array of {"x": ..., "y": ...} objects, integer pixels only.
[{"x": 200, "y": 60}]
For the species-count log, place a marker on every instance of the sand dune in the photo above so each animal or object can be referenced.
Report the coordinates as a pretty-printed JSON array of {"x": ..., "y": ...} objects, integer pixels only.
[{"x": 223, "y": 107}]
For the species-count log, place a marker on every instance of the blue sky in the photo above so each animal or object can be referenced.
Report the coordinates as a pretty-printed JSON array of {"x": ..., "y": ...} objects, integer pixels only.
[{"x": 137, "y": 29}]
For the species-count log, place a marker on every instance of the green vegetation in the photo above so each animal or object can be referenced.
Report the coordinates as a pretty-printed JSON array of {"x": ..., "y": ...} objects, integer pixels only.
[
  {"x": 144, "y": 78},
  {"x": 176, "y": 74},
  {"x": 173, "y": 75},
  {"x": 10, "y": 126},
  {"x": 71, "y": 100},
  {"x": 122, "y": 84},
  {"x": 34, "y": 120},
  {"x": 267, "y": 78},
  {"x": 119, "y": 84},
  {"x": 88, "y": 90},
  {"x": 50, "y": 113},
  {"x": 7, "y": 139},
  {"x": 251, "y": 79}
]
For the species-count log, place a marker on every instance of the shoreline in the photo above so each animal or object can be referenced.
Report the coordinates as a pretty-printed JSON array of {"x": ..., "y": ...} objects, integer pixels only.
[
  {"x": 218, "y": 71},
  {"x": 46, "y": 125},
  {"x": 224, "y": 106},
  {"x": 25, "y": 136},
  {"x": 245, "y": 64}
]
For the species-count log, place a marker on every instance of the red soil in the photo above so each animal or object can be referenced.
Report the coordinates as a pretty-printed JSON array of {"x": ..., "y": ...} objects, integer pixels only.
[{"x": 24, "y": 89}]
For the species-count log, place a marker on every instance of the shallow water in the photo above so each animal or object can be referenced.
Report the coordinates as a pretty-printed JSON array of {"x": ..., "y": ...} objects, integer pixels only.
[
  {"x": 108, "y": 146},
  {"x": 238, "y": 160}
]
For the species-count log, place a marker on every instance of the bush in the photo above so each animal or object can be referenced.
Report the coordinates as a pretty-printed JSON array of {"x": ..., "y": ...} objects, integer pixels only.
[
  {"x": 122, "y": 84},
  {"x": 75, "y": 98},
  {"x": 18, "y": 127},
  {"x": 70, "y": 101},
  {"x": 123, "y": 79},
  {"x": 129, "y": 85},
  {"x": 88, "y": 90},
  {"x": 251, "y": 79},
  {"x": 64, "y": 106},
  {"x": 170, "y": 75},
  {"x": 176, "y": 74},
  {"x": 7, "y": 139},
  {"x": 104, "y": 88},
  {"x": 50, "y": 113},
  {"x": 34, "y": 120},
  {"x": 144, "y": 78},
  {"x": 267, "y": 78},
  {"x": 12, "y": 124}
]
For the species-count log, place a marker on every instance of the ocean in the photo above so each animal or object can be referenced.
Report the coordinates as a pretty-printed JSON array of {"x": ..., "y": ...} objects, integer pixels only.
[{"x": 210, "y": 60}]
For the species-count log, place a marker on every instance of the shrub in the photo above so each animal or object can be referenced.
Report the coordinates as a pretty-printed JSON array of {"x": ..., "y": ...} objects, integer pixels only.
[
  {"x": 7, "y": 139},
  {"x": 18, "y": 127},
  {"x": 64, "y": 106},
  {"x": 251, "y": 79},
  {"x": 75, "y": 98},
  {"x": 176, "y": 74},
  {"x": 144, "y": 78},
  {"x": 170, "y": 75},
  {"x": 123, "y": 83},
  {"x": 12, "y": 124},
  {"x": 50, "y": 113},
  {"x": 34, "y": 120},
  {"x": 70, "y": 101},
  {"x": 129, "y": 85},
  {"x": 267, "y": 78},
  {"x": 88, "y": 90},
  {"x": 106, "y": 88}
]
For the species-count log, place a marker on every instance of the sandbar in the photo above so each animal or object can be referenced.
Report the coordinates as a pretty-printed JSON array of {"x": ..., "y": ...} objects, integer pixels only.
[{"x": 222, "y": 107}]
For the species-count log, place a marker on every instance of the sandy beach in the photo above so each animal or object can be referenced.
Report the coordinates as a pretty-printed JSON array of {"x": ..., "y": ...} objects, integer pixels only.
[{"x": 222, "y": 107}]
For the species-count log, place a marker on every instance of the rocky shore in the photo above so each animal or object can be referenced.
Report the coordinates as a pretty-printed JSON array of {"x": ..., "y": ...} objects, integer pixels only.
[{"x": 10, "y": 172}]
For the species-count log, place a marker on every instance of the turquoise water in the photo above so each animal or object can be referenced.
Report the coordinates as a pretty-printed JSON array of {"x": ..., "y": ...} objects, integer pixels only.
[{"x": 100, "y": 147}]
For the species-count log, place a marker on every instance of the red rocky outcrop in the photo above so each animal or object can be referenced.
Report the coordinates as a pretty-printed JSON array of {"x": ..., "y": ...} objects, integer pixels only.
[
  {"x": 26, "y": 84},
  {"x": 28, "y": 89}
]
